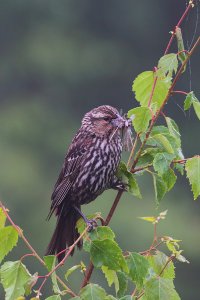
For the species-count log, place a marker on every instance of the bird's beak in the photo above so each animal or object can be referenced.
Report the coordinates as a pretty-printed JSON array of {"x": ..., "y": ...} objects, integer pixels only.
[{"x": 121, "y": 122}]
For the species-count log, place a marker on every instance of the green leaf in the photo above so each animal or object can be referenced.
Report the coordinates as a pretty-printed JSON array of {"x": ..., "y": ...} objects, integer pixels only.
[
  {"x": 57, "y": 297},
  {"x": 182, "y": 55},
  {"x": 129, "y": 178},
  {"x": 92, "y": 292},
  {"x": 50, "y": 262},
  {"x": 142, "y": 116},
  {"x": 99, "y": 233},
  {"x": 150, "y": 219},
  {"x": 143, "y": 85},
  {"x": 138, "y": 267},
  {"x": 30, "y": 283},
  {"x": 169, "y": 178},
  {"x": 123, "y": 283},
  {"x": 8, "y": 239},
  {"x": 158, "y": 263},
  {"x": 188, "y": 101},
  {"x": 2, "y": 218},
  {"x": 71, "y": 270},
  {"x": 196, "y": 105},
  {"x": 167, "y": 65},
  {"x": 107, "y": 253},
  {"x": 174, "y": 130},
  {"x": 111, "y": 277},
  {"x": 162, "y": 162},
  {"x": 191, "y": 99},
  {"x": 160, "y": 188},
  {"x": 192, "y": 168},
  {"x": 14, "y": 278},
  {"x": 160, "y": 289},
  {"x": 163, "y": 141}
]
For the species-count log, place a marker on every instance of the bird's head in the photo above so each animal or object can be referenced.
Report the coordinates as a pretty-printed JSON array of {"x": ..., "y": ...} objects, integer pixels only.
[{"x": 103, "y": 120}]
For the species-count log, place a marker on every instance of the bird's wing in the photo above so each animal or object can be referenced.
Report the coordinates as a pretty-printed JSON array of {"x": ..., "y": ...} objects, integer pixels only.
[{"x": 70, "y": 170}]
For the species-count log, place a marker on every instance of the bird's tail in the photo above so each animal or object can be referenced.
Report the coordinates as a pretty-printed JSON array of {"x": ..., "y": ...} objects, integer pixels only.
[{"x": 65, "y": 233}]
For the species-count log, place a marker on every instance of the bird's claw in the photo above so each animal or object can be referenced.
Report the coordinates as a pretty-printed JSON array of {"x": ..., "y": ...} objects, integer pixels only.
[{"x": 91, "y": 224}]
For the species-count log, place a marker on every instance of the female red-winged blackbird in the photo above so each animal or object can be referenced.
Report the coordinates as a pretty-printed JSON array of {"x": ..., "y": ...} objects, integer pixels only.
[{"x": 89, "y": 168}]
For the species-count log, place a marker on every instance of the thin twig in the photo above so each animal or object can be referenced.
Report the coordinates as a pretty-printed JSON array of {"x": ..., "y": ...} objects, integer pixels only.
[
  {"x": 164, "y": 102},
  {"x": 71, "y": 248},
  {"x": 119, "y": 194},
  {"x": 20, "y": 232},
  {"x": 132, "y": 151},
  {"x": 190, "y": 5}
]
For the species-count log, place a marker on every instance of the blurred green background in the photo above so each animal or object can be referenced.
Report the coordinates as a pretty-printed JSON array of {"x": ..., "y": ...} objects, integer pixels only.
[{"x": 59, "y": 59}]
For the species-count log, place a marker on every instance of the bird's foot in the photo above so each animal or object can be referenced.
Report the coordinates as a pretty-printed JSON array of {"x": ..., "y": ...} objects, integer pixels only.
[
  {"x": 92, "y": 223},
  {"x": 119, "y": 185}
]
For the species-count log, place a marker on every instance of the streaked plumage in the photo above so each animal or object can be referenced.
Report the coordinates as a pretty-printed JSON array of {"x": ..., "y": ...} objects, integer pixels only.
[{"x": 89, "y": 169}]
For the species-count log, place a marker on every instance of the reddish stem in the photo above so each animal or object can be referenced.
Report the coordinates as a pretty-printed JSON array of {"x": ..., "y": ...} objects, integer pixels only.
[
  {"x": 153, "y": 88},
  {"x": 179, "y": 92},
  {"x": 71, "y": 248},
  {"x": 20, "y": 232},
  {"x": 190, "y": 5}
]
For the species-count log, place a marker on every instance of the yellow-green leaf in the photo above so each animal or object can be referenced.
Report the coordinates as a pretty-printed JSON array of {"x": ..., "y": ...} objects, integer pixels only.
[
  {"x": 143, "y": 85},
  {"x": 8, "y": 239},
  {"x": 192, "y": 168},
  {"x": 142, "y": 116}
]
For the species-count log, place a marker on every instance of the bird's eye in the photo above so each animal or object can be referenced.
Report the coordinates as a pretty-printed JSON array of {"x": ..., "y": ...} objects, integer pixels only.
[{"x": 106, "y": 119}]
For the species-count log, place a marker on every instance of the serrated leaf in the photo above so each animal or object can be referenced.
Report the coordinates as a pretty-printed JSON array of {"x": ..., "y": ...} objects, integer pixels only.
[
  {"x": 163, "y": 141},
  {"x": 92, "y": 292},
  {"x": 162, "y": 162},
  {"x": 196, "y": 105},
  {"x": 160, "y": 289},
  {"x": 158, "y": 263},
  {"x": 107, "y": 253},
  {"x": 8, "y": 240},
  {"x": 14, "y": 278},
  {"x": 188, "y": 101},
  {"x": 99, "y": 233},
  {"x": 142, "y": 116},
  {"x": 181, "y": 55},
  {"x": 169, "y": 178},
  {"x": 143, "y": 85},
  {"x": 160, "y": 188},
  {"x": 2, "y": 218},
  {"x": 191, "y": 99},
  {"x": 56, "y": 297},
  {"x": 138, "y": 267},
  {"x": 50, "y": 262},
  {"x": 167, "y": 65},
  {"x": 123, "y": 283},
  {"x": 192, "y": 168},
  {"x": 111, "y": 277}
]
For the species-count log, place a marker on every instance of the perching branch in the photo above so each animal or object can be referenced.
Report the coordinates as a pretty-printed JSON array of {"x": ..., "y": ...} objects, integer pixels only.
[{"x": 33, "y": 251}]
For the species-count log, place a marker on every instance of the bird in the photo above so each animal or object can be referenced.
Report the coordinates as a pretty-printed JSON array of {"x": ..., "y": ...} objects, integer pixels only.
[{"x": 88, "y": 170}]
